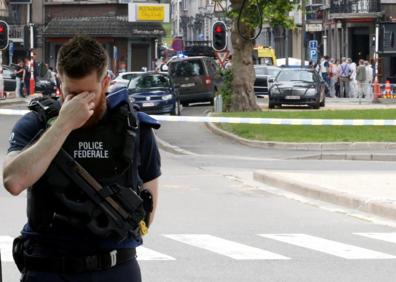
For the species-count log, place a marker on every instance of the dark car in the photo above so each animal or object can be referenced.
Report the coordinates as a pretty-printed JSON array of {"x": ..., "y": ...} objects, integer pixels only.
[
  {"x": 9, "y": 78},
  {"x": 297, "y": 87},
  {"x": 196, "y": 78},
  {"x": 46, "y": 87},
  {"x": 154, "y": 94},
  {"x": 264, "y": 74}
]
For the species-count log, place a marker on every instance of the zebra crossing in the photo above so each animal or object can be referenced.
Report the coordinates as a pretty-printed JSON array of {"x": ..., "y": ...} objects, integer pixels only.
[{"x": 241, "y": 251}]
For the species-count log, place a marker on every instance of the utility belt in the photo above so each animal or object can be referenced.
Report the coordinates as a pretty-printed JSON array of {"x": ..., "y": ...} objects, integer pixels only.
[{"x": 66, "y": 264}]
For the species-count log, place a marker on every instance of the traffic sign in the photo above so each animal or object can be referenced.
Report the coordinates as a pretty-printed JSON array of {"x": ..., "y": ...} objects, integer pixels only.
[
  {"x": 313, "y": 44},
  {"x": 313, "y": 53},
  {"x": 222, "y": 56}
]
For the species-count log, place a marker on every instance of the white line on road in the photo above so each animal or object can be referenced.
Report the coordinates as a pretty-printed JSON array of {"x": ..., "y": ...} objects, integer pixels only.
[
  {"x": 225, "y": 247},
  {"x": 388, "y": 237},
  {"x": 327, "y": 246},
  {"x": 6, "y": 248},
  {"x": 144, "y": 253}
]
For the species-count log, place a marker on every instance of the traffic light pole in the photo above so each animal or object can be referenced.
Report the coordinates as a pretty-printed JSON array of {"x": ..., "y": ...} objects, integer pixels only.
[{"x": 2, "y": 94}]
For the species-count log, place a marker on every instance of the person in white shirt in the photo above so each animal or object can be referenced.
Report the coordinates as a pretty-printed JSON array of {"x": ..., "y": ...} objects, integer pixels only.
[
  {"x": 352, "y": 81},
  {"x": 369, "y": 81}
]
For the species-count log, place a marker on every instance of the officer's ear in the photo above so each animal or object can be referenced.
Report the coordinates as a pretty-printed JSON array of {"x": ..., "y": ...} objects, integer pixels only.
[{"x": 105, "y": 82}]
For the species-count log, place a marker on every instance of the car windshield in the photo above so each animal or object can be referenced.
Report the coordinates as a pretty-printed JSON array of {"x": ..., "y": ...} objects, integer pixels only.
[
  {"x": 149, "y": 81},
  {"x": 267, "y": 71},
  {"x": 295, "y": 75},
  {"x": 187, "y": 68}
]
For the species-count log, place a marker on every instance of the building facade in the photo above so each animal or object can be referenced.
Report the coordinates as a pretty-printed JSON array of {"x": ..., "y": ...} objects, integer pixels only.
[{"x": 130, "y": 45}]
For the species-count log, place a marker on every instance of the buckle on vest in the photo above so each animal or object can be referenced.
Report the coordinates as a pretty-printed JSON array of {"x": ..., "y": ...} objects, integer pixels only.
[{"x": 113, "y": 258}]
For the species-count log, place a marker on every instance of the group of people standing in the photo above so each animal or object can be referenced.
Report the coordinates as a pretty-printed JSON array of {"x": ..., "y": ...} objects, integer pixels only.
[
  {"x": 346, "y": 79},
  {"x": 23, "y": 73}
]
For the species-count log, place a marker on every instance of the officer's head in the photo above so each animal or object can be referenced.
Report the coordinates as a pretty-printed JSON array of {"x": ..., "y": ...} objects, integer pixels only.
[{"x": 82, "y": 67}]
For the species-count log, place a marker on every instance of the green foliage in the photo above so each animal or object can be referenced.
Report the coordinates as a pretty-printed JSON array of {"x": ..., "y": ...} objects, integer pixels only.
[
  {"x": 226, "y": 89},
  {"x": 275, "y": 12}
]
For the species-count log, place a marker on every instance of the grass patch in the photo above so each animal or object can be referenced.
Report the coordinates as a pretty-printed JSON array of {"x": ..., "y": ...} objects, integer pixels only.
[{"x": 314, "y": 133}]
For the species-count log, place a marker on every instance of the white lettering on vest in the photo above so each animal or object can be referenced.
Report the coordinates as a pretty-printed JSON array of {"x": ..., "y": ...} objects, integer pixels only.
[{"x": 91, "y": 150}]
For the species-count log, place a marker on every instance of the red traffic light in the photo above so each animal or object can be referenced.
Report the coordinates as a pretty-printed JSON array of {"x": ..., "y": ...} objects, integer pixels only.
[
  {"x": 218, "y": 29},
  {"x": 2, "y": 29}
]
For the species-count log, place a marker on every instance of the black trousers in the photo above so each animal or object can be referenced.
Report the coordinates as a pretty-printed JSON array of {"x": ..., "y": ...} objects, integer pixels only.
[{"x": 127, "y": 272}]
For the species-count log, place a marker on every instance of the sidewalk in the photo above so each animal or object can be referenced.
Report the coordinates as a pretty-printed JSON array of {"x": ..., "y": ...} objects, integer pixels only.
[
  {"x": 373, "y": 193},
  {"x": 12, "y": 99}
]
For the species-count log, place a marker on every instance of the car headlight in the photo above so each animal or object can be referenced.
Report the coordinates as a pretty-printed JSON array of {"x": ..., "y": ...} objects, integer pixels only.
[
  {"x": 167, "y": 97},
  {"x": 131, "y": 99},
  {"x": 311, "y": 92}
]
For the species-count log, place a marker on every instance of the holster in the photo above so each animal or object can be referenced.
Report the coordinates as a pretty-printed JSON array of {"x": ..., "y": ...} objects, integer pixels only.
[{"x": 18, "y": 248}]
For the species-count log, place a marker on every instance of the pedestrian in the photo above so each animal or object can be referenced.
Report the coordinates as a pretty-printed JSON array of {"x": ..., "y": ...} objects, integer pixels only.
[
  {"x": 19, "y": 71},
  {"x": 352, "y": 79},
  {"x": 344, "y": 74},
  {"x": 26, "y": 77},
  {"x": 324, "y": 69},
  {"x": 333, "y": 77},
  {"x": 369, "y": 80},
  {"x": 361, "y": 79},
  {"x": 69, "y": 236}
]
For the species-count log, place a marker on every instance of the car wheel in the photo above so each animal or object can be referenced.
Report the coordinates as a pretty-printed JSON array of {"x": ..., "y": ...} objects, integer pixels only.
[
  {"x": 271, "y": 105},
  {"x": 184, "y": 104},
  {"x": 316, "y": 105},
  {"x": 322, "y": 104},
  {"x": 176, "y": 109}
]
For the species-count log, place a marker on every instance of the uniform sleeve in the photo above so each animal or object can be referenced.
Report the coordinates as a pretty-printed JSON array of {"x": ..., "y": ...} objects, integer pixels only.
[
  {"x": 150, "y": 159},
  {"x": 24, "y": 131}
]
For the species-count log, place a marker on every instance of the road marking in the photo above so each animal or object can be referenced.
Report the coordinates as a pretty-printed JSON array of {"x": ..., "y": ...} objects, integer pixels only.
[
  {"x": 144, "y": 253},
  {"x": 6, "y": 248},
  {"x": 327, "y": 246},
  {"x": 225, "y": 247},
  {"x": 239, "y": 120},
  {"x": 388, "y": 237},
  {"x": 11, "y": 112}
]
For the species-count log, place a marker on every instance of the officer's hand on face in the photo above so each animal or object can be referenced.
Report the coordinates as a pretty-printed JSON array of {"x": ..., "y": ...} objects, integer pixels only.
[{"x": 77, "y": 109}]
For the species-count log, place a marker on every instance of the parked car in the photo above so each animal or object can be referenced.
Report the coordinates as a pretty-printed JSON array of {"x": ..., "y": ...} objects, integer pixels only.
[
  {"x": 154, "y": 93},
  {"x": 196, "y": 78},
  {"x": 263, "y": 75},
  {"x": 122, "y": 80},
  {"x": 297, "y": 87},
  {"x": 46, "y": 87},
  {"x": 9, "y": 78}
]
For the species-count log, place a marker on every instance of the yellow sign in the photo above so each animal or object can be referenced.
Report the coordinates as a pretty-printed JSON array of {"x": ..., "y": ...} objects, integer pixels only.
[{"x": 151, "y": 13}]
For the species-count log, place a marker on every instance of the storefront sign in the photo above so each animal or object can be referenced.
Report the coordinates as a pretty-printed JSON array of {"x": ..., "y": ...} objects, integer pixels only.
[
  {"x": 314, "y": 27},
  {"x": 148, "y": 12}
]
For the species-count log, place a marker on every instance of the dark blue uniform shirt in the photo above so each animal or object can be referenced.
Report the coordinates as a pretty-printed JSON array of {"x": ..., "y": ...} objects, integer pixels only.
[{"x": 29, "y": 126}]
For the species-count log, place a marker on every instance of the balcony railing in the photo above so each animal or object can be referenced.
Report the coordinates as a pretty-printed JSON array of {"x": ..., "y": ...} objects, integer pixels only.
[
  {"x": 314, "y": 13},
  {"x": 355, "y": 6},
  {"x": 16, "y": 33}
]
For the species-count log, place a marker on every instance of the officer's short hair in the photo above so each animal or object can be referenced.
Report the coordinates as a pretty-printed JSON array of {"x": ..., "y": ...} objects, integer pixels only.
[{"x": 80, "y": 56}]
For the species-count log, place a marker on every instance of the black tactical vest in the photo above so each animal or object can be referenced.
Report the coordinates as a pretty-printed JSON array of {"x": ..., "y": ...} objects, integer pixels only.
[{"x": 110, "y": 154}]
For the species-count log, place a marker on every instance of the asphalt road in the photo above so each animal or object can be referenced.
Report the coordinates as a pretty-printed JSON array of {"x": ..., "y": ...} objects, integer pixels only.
[{"x": 215, "y": 224}]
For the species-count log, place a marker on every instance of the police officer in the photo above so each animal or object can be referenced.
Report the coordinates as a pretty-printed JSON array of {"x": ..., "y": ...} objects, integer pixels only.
[{"x": 61, "y": 241}]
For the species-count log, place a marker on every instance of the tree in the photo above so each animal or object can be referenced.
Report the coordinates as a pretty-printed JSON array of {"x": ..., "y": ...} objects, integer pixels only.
[{"x": 276, "y": 13}]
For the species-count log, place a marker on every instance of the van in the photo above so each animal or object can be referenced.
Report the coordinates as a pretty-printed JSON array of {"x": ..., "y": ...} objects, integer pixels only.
[
  {"x": 195, "y": 78},
  {"x": 264, "y": 56}
]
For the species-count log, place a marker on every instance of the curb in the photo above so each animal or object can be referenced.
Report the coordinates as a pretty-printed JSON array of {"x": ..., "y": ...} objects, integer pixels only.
[
  {"x": 349, "y": 157},
  {"x": 373, "y": 206},
  {"x": 329, "y": 146},
  {"x": 171, "y": 148},
  {"x": 12, "y": 102}
]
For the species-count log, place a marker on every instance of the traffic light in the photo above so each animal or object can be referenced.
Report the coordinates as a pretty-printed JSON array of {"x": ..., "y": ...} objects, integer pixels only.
[
  {"x": 219, "y": 32},
  {"x": 3, "y": 35}
]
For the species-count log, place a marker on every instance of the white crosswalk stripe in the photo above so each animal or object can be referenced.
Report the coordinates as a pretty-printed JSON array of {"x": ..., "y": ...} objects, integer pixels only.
[
  {"x": 144, "y": 253},
  {"x": 327, "y": 246},
  {"x": 388, "y": 237},
  {"x": 239, "y": 251},
  {"x": 225, "y": 247}
]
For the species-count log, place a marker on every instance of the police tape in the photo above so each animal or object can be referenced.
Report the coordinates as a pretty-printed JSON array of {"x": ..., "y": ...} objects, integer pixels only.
[
  {"x": 262, "y": 121},
  {"x": 278, "y": 121}
]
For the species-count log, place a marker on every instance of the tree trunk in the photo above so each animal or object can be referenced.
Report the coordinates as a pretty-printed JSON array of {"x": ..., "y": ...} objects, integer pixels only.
[{"x": 243, "y": 98}]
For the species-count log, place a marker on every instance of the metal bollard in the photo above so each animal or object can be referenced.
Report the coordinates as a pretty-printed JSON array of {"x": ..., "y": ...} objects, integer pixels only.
[{"x": 218, "y": 104}]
